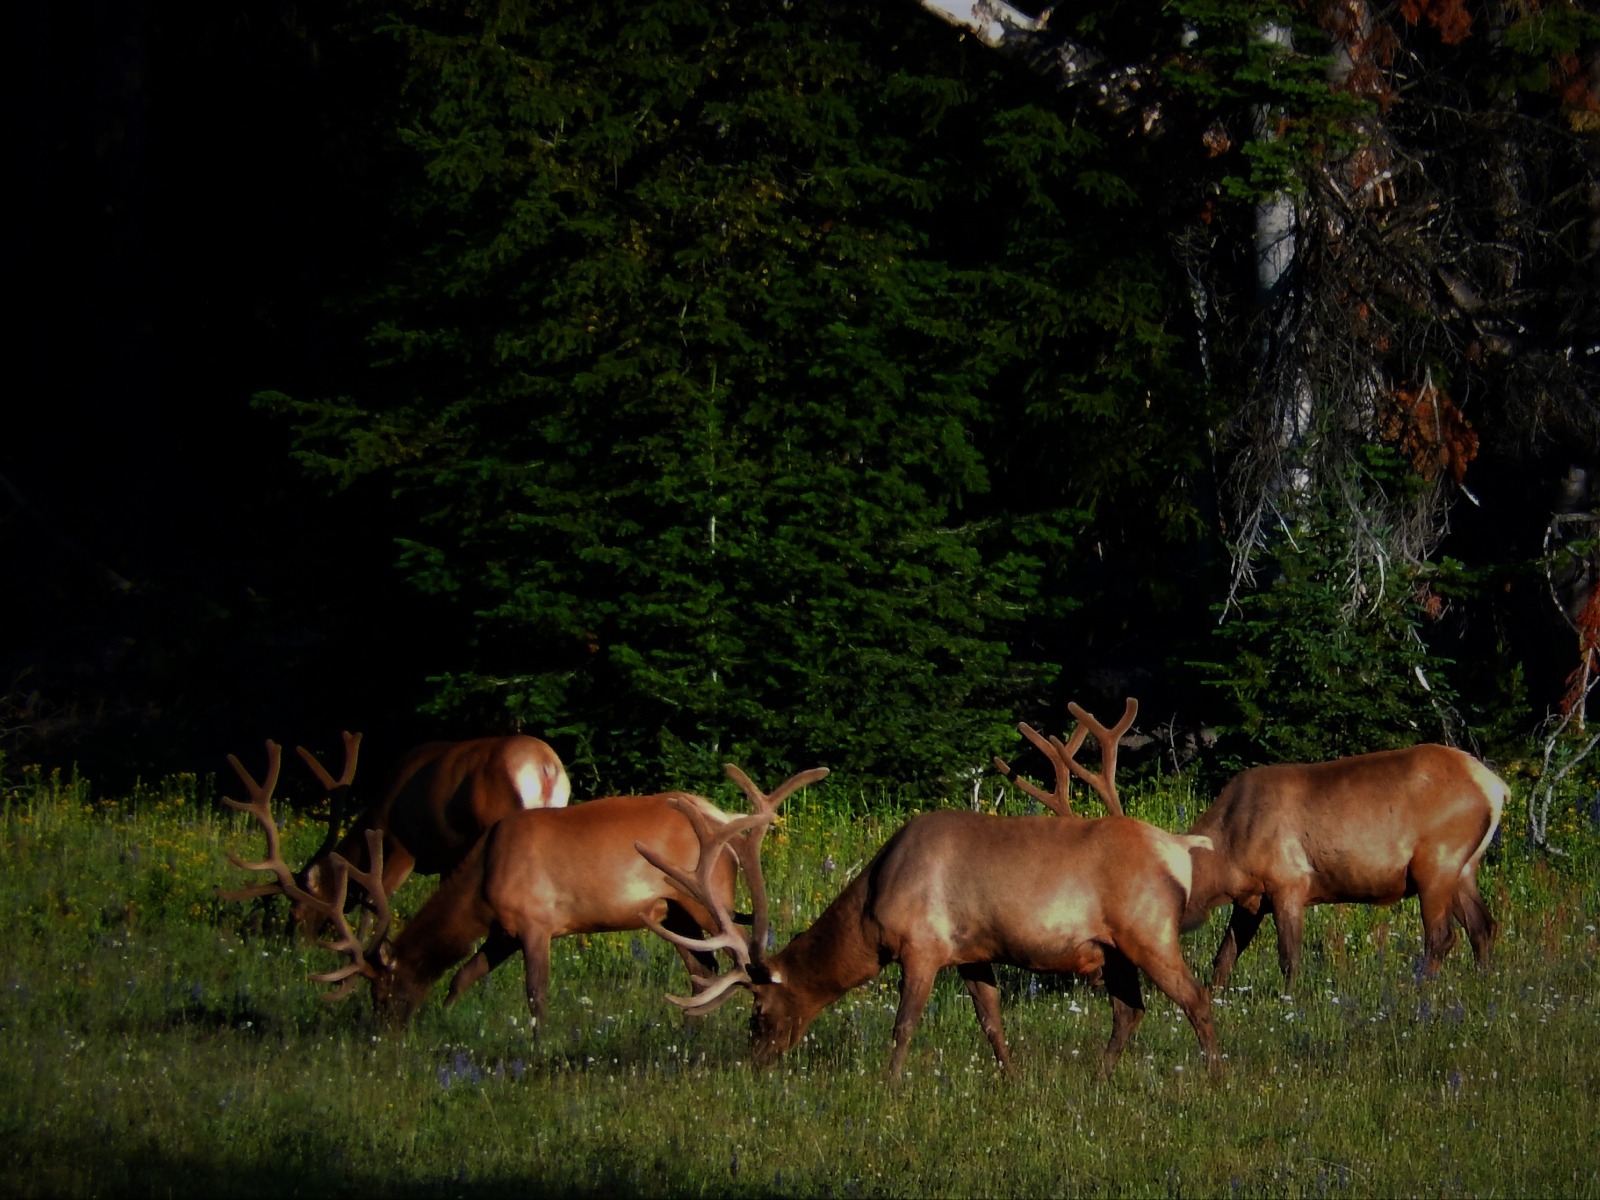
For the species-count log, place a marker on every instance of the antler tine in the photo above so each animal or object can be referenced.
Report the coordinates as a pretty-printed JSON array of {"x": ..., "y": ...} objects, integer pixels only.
[
  {"x": 259, "y": 806},
  {"x": 352, "y": 747},
  {"x": 358, "y": 947},
  {"x": 371, "y": 881},
  {"x": 748, "y": 851},
  {"x": 337, "y": 789},
  {"x": 740, "y": 836},
  {"x": 1060, "y": 755},
  {"x": 769, "y": 801},
  {"x": 350, "y": 975},
  {"x": 1104, "y": 783},
  {"x": 713, "y": 840},
  {"x": 710, "y": 993}
]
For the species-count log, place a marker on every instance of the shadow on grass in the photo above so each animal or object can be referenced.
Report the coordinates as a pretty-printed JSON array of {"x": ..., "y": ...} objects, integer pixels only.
[
  {"x": 309, "y": 1165},
  {"x": 236, "y": 1016}
]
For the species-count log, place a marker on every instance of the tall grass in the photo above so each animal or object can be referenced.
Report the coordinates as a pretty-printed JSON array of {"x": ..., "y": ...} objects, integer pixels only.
[{"x": 155, "y": 1039}]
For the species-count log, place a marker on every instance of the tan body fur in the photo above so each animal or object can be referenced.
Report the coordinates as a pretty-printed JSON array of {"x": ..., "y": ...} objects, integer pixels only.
[
  {"x": 540, "y": 874},
  {"x": 1370, "y": 829},
  {"x": 962, "y": 889}
]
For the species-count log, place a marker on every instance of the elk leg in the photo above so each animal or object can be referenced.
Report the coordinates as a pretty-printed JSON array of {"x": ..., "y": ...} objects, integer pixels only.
[
  {"x": 1474, "y": 916},
  {"x": 1243, "y": 922},
  {"x": 916, "y": 984},
  {"x": 985, "y": 995},
  {"x": 1172, "y": 977},
  {"x": 1439, "y": 933},
  {"x": 1288, "y": 914},
  {"x": 495, "y": 950},
  {"x": 1127, "y": 1006},
  {"x": 536, "y": 961},
  {"x": 701, "y": 964}
]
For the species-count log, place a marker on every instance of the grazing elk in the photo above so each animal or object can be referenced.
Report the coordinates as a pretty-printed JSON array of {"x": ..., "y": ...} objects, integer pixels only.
[
  {"x": 968, "y": 890},
  {"x": 1369, "y": 829},
  {"x": 537, "y": 874},
  {"x": 437, "y": 805}
]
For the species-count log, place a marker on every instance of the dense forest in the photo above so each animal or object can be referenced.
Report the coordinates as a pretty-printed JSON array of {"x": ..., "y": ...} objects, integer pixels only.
[{"x": 799, "y": 382}]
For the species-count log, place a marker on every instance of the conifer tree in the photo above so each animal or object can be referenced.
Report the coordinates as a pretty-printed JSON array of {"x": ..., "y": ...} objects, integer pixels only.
[{"x": 712, "y": 328}]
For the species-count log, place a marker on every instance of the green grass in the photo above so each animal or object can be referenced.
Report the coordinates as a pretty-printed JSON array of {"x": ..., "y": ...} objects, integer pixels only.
[{"x": 155, "y": 1039}]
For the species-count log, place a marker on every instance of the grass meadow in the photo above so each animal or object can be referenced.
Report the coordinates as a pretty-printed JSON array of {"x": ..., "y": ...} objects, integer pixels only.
[{"x": 157, "y": 1040}]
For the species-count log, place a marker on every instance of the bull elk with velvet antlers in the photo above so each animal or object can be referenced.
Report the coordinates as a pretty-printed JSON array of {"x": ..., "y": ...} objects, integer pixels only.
[
  {"x": 438, "y": 803},
  {"x": 961, "y": 889},
  {"x": 537, "y": 874},
  {"x": 1369, "y": 829}
]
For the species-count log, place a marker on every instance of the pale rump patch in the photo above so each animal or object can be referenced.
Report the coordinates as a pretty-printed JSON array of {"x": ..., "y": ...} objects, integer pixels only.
[
  {"x": 1174, "y": 851},
  {"x": 543, "y": 785},
  {"x": 1495, "y": 792}
]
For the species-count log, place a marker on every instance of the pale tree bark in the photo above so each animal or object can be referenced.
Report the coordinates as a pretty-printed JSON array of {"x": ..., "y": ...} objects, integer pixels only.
[{"x": 1030, "y": 40}]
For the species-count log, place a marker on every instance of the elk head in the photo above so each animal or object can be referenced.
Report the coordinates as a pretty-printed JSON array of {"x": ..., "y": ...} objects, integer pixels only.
[
  {"x": 780, "y": 1016},
  {"x": 327, "y": 908}
]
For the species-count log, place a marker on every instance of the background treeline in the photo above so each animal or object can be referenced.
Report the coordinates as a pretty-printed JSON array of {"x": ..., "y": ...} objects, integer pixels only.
[{"x": 794, "y": 383}]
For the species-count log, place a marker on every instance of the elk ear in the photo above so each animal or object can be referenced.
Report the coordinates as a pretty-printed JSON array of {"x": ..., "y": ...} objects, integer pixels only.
[
  {"x": 761, "y": 974},
  {"x": 386, "y": 955}
]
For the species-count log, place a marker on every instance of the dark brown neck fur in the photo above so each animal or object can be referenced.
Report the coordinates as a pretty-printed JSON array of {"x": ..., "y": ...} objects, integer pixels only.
[
  {"x": 445, "y": 930},
  {"x": 838, "y": 952}
]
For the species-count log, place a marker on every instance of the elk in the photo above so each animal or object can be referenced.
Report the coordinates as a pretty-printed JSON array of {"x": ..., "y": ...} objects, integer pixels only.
[
  {"x": 1368, "y": 829},
  {"x": 440, "y": 800},
  {"x": 968, "y": 890},
  {"x": 535, "y": 875}
]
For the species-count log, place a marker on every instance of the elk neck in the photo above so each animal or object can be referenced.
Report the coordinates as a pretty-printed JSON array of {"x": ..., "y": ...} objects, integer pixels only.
[
  {"x": 447, "y": 928},
  {"x": 838, "y": 952}
]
